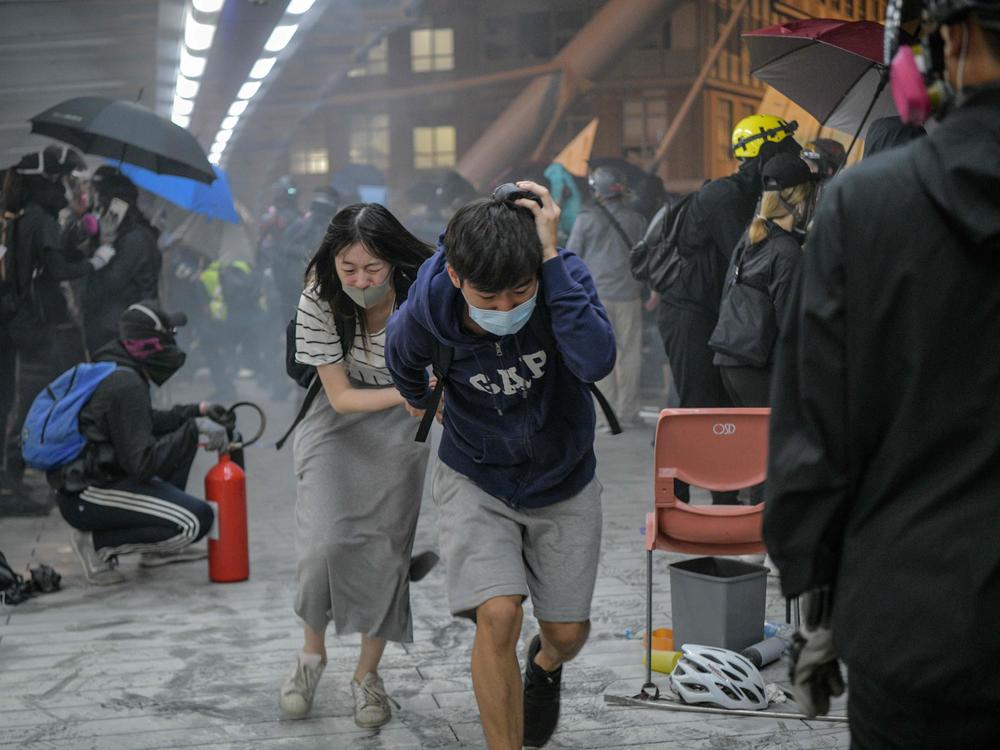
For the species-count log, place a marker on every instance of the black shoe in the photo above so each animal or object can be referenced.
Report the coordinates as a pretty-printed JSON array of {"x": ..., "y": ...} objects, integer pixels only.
[
  {"x": 541, "y": 699},
  {"x": 422, "y": 564}
]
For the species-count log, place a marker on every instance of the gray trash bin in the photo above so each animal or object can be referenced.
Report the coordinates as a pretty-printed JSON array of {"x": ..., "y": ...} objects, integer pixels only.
[{"x": 717, "y": 601}]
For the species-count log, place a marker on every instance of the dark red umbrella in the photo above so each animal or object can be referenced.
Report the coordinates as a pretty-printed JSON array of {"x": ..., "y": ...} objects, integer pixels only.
[{"x": 832, "y": 69}]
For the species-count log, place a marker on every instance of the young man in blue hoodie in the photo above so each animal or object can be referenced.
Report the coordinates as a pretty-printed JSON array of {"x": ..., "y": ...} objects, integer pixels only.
[{"x": 519, "y": 507}]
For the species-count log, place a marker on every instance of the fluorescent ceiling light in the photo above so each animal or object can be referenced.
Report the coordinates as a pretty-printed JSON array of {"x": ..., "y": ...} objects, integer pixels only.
[
  {"x": 182, "y": 120},
  {"x": 186, "y": 87},
  {"x": 229, "y": 123},
  {"x": 248, "y": 89},
  {"x": 191, "y": 65},
  {"x": 223, "y": 136},
  {"x": 298, "y": 7},
  {"x": 182, "y": 106},
  {"x": 214, "y": 158},
  {"x": 208, "y": 6},
  {"x": 280, "y": 38},
  {"x": 198, "y": 36},
  {"x": 237, "y": 108},
  {"x": 217, "y": 148},
  {"x": 262, "y": 67}
]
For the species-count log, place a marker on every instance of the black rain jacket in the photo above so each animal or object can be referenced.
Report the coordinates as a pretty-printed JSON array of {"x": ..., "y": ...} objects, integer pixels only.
[
  {"x": 771, "y": 266},
  {"x": 126, "y": 436},
  {"x": 716, "y": 218},
  {"x": 884, "y": 469}
]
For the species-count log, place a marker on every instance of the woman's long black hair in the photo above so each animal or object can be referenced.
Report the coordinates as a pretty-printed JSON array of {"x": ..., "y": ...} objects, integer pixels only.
[{"x": 374, "y": 227}]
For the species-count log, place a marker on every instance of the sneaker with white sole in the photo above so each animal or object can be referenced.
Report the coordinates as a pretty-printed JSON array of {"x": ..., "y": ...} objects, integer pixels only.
[
  {"x": 297, "y": 693},
  {"x": 371, "y": 702},
  {"x": 96, "y": 570},
  {"x": 154, "y": 559}
]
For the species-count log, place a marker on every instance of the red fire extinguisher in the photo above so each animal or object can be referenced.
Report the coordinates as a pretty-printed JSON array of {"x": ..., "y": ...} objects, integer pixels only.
[{"x": 225, "y": 490}]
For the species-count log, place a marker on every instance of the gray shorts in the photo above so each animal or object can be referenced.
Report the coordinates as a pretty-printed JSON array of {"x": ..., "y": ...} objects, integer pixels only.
[{"x": 492, "y": 550}]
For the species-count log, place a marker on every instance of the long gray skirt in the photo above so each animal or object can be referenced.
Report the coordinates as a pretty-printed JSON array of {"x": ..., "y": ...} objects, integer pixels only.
[{"x": 360, "y": 482}]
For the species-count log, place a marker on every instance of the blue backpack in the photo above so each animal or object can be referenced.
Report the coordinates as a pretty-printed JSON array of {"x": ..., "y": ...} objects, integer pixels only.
[{"x": 51, "y": 436}]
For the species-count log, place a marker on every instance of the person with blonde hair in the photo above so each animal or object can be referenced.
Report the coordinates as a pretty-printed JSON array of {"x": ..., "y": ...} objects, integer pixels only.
[{"x": 759, "y": 279}]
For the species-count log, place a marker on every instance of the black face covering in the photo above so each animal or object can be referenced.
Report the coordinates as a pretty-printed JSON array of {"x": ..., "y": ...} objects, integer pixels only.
[{"x": 161, "y": 365}]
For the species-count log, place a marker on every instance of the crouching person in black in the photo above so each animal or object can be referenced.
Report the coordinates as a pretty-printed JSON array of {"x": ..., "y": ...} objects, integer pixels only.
[{"x": 125, "y": 491}]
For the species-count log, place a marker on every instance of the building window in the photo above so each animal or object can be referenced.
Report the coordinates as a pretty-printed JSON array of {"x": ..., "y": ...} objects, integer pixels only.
[
  {"x": 370, "y": 140},
  {"x": 432, "y": 49},
  {"x": 310, "y": 161},
  {"x": 376, "y": 61},
  {"x": 644, "y": 123},
  {"x": 434, "y": 147}
]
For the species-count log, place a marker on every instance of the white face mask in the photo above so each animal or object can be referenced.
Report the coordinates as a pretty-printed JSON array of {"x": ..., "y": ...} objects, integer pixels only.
[{"x": 370, "y": 296}]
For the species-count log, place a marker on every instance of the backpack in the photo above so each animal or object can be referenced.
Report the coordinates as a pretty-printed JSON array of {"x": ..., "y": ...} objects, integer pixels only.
[
  {"x": 659, "y": 264},
  {"x": 51, "y": 436}
]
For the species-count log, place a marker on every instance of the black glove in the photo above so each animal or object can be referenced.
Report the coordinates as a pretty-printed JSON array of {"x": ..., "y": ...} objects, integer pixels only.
[
  {"x": 220, "y": 415},
  {"x": 814, "y": 669}
]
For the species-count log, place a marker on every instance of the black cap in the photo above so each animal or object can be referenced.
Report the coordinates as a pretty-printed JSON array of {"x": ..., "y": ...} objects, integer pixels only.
[
  {"x": 147, "y": 319},
  {"x": 785, "y": 171}
]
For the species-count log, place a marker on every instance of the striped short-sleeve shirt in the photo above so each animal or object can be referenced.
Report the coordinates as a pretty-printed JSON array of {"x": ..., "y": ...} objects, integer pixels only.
[{"x": 317, "y": 343}]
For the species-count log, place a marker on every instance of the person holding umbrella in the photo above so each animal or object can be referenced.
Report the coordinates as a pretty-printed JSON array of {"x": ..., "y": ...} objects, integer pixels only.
[
  {"x": 134, "y": 273},
  {"x": 33, "y": 311}
]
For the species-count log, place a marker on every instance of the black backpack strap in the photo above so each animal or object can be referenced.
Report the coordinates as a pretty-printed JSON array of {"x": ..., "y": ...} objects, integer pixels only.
[
  {"x": 616, "y": 225},
  {"x": 541, "y": 327},
  {"x": 441, "y": 357},
  {"x": 314, "y": 388}
]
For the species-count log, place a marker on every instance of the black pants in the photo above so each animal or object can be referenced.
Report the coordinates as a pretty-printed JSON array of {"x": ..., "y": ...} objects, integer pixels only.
[
  {"x": 885, "y": 719},
  {"x": 134, "y": 516},
  {"x": 685, "y": 338},
  {"x": 37, "y": 368},
  {"x": 8, "y": 378}
]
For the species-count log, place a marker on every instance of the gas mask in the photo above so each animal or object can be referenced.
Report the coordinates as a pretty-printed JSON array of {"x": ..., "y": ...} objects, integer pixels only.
[{"x": 920, "y": 88}]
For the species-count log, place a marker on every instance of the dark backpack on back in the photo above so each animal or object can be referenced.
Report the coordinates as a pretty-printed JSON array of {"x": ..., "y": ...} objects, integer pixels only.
[{"x": 658, "y": 264}]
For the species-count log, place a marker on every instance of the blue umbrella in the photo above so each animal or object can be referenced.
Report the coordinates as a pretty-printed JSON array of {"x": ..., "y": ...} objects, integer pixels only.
[{"x": 214, "y": 201}]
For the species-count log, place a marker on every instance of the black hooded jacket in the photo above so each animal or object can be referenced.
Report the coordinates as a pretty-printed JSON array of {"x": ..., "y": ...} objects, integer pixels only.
[
  {"x": 716, "y": 219},
  {"x": 126, "y": 436},
  {"x": 131, "y": 276},
  {"x": 36, "y": 245},
  {"x": 884, "y": 469}
]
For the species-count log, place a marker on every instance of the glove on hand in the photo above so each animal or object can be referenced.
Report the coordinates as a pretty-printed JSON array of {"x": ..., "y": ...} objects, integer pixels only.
[
  {"x": 214, "y": 435},
  {"x": 814, "y": 669},
  {"x": 219, "y": 414},
  {"x": 102, "y": 256}
]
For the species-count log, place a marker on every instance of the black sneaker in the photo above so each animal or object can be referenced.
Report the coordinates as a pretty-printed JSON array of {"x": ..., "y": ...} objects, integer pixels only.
[{"x": 541, "y": 699}]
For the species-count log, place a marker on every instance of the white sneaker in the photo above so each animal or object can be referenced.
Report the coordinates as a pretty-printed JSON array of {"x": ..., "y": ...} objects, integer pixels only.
[
  {"x": 96, "y": 570},
  {"x": 297, "y": 693},
  {"x": 154, "y": 559},
  {"x": 371, "y": 703}
]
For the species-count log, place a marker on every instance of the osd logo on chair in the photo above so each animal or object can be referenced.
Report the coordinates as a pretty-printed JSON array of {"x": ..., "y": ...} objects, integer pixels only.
[{"x": 724, "y": 428}]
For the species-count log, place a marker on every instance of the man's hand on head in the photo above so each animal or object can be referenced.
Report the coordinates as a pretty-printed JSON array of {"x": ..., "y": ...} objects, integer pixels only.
[{"x": 546, "y": 217}]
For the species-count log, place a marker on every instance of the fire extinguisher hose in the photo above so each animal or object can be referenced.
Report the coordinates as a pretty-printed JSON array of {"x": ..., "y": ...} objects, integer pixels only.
[{"x": 260, "y": 430}]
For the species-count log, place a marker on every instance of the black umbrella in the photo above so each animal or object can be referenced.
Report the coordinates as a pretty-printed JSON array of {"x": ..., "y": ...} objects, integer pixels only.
[{"x": 126, "y": 131}]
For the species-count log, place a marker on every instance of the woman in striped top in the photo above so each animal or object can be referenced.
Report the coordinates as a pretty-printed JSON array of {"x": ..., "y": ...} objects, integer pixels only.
[{"x": 360, "y": 474}]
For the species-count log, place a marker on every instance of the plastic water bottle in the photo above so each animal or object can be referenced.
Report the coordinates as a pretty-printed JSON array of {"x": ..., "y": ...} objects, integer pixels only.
[{"x": 628, "y": 634}]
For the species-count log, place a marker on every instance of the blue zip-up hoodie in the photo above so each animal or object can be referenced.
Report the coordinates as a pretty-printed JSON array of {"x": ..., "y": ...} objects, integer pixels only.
[{"x": 515, "y": 423}]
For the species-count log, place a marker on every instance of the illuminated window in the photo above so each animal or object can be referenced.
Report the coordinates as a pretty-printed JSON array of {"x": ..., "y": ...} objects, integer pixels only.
[
  {"x": 376, "y": 61},
  {"x": 310, "y": 161},
  {"x": 370, "y": 140},
  {"x": 432, "y": 49},
  {"x": 434, "y": 147}
]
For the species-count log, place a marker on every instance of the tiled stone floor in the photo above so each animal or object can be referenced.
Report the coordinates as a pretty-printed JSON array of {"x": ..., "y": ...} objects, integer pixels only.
[{"x": 170, "y": 660}]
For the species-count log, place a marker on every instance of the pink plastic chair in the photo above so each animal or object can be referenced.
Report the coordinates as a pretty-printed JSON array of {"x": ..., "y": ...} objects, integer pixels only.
[{"x": 718, "y": 449}]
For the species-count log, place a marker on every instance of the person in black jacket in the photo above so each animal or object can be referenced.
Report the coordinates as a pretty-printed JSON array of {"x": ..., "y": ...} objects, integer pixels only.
[
  {"x": 125, "y": 492},
  {"x": 883, "y": 490},
  {"x": 41, "y": 331},
  {"x": 716, "y": 219},
  {"x": 133, "y": 275},
  {"x": 759, "y": 280}
]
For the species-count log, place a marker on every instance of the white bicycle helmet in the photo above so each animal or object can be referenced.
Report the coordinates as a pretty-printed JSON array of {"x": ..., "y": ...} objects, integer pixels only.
[{"x": 706, "y": 674}]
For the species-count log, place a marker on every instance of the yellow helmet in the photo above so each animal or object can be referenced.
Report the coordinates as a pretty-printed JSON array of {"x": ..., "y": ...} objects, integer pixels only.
[{"x": 752, "y": 131}]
